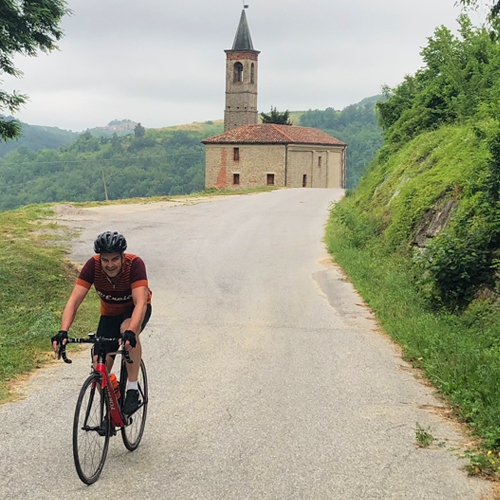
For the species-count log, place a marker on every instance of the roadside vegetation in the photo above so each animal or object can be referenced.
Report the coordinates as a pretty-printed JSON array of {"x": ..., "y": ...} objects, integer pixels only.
[
  {"x": 420, "y": 236},
  {"x": 35, "y": 282}
]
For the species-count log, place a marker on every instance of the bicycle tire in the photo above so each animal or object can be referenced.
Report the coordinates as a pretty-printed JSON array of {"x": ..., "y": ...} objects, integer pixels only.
[
  {"x": 91, "y": 430},
  {"x": 132, "y": 432}
]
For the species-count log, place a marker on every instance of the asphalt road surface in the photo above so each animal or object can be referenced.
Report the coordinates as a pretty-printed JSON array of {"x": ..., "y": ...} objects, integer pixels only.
[{"x": 268, "y": 377}]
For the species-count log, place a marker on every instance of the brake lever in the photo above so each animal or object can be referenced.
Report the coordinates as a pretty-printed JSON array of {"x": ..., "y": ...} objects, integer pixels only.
[
  {"x": 62, "y": 353},
  {"x": 127, "y": 356}
]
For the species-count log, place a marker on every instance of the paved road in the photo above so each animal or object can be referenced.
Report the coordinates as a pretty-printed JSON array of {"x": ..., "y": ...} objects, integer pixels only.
[{"x": 267, "y": 377}]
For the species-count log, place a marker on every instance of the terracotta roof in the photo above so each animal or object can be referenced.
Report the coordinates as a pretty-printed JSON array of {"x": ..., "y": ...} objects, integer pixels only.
[{"x": 274, "y": 134}]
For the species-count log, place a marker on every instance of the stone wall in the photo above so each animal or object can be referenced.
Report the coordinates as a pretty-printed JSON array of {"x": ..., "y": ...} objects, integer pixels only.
[{"x": 241, "y": 96}]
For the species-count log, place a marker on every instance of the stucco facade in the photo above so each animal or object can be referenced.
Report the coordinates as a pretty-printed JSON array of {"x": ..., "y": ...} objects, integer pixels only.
[{"x": 243, "y": 165}]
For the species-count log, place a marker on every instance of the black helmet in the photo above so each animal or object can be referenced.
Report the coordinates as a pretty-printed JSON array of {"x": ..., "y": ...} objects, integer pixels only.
[{"x": 110, "y": 242}]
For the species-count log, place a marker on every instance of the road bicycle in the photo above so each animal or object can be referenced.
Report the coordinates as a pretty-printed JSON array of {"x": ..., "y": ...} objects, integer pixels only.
[{"x": 99, "y": 413}]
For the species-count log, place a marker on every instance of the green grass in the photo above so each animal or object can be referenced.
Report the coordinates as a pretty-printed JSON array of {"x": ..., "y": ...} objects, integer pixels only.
[
  {"x": 35, "y": 282},
  {"x": 423, "y": 436}
]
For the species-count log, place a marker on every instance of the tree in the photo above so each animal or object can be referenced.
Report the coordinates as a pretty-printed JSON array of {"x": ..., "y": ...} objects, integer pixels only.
[
  {"x": 26, "y": 26},
  {"x": 139, "y": 131},
  {"x": 494, "y": 8},
  {"x": 276, "y": 117}
]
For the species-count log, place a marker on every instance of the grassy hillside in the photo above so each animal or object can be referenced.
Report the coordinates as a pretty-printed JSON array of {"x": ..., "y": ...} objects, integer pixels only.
[
  {"x": 206, "y": 129},
  {"x": 420, "y": 236},
  {"x": 167, "y": 161},
  {"x": 35, "y": 280}
]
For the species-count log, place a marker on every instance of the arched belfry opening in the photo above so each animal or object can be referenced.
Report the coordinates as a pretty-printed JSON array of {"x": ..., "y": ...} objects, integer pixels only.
[
  {"x": 241, "y": 79},
  {"x": 238, "y": 73}
]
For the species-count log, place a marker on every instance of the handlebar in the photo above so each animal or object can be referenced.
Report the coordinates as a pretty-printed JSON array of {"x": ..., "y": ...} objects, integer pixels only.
[{"x": 91, "y": 339}]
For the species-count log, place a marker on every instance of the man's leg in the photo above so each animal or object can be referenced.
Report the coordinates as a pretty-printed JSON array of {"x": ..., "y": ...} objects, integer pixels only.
[
  {"x": 135, "y": 354},
  {"x": 132, "y": 389}
]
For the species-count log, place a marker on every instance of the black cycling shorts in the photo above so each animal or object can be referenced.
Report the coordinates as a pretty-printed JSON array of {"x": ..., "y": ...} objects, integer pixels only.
[{"x": 109, "y": 326}]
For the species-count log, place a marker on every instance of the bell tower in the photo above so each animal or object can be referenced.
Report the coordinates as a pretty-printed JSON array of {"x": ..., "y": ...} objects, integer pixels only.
[{"x": 241, "y": 79}]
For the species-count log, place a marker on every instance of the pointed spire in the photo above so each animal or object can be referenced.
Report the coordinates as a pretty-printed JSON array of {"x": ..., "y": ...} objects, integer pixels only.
[{"x": 243, "y": 40}]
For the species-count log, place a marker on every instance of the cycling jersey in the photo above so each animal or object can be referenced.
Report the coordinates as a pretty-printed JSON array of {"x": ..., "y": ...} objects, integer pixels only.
[{"x": 115, "y": 293}]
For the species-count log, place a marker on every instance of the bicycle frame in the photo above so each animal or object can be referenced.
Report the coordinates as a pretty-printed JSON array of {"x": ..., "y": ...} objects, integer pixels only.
[
  {"x": 117, "y": 419},
  {"x": 116, "y": 415}
]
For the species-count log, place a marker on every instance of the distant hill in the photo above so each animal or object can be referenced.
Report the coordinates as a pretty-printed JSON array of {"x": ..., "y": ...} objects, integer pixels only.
[
  {"x": 36, "y": 137},
  {"x": 207, "y": 129},
  {"x": 118, "y": 127}
]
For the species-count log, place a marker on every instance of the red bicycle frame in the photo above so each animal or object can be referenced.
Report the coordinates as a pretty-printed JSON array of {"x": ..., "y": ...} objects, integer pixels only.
[{"x": 116, "y": 416}]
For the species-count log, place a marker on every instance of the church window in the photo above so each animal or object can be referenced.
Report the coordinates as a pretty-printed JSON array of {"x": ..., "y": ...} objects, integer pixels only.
[
  {"x": 236, "y": 154},
  {"x": 238, "y": 72},
  {"x": 236, "y": 179},
  {"x": 319, "y": 161},
  {"x": 304, "y": 181},
  {"x": 252, "y": 73},
  {"x": 270, "y": 179}
]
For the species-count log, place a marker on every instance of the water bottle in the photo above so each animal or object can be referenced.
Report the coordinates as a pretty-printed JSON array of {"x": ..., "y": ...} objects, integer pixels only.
[{"x": 114, "y": 383}]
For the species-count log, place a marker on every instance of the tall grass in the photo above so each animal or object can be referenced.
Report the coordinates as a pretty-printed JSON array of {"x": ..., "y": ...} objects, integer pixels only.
[{"x": 35, "y": 282}]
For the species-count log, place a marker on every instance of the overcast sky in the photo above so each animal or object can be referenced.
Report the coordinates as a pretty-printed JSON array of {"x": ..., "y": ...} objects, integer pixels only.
[{"x": 162, "y": 63}]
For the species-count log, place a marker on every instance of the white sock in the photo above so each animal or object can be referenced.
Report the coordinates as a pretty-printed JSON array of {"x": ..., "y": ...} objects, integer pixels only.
[{"x": 132, "y": 385}]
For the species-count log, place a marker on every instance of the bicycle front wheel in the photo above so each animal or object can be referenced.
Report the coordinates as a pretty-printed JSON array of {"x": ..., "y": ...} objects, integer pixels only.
[
  {"x": 133, "y": 431},
  {"x": 91, "y": 430}
]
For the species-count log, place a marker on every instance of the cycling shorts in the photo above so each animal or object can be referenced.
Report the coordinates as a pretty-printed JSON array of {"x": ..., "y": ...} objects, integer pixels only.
[{"x": 109, "y": 327}]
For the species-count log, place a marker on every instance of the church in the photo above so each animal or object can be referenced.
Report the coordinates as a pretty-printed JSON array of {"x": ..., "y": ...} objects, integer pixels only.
[{"x": 249, "y": 154}]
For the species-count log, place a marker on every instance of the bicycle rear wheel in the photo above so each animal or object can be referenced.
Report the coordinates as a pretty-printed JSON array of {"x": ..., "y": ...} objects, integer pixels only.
[
  {"x": 133, "y": 431},
  {"x": 91, "y": 430}
]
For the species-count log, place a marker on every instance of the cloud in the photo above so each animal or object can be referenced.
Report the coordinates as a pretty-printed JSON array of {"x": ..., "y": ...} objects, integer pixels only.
[{"x": 162, "y": 63}]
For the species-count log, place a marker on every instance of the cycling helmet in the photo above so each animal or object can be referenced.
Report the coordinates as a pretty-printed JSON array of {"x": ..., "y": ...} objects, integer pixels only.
[{"x": 110, "y": 242}]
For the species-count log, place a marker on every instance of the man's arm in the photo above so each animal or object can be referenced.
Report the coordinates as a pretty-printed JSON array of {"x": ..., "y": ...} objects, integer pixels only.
[{"x": 74, "y": 302}]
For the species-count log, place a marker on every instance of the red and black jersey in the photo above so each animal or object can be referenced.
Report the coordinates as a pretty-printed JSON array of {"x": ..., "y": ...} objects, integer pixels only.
[{"x": 116, "y": 294}]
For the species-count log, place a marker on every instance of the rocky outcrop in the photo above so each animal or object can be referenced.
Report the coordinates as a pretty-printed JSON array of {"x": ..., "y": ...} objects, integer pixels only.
[{"x": 434, "y": 222}]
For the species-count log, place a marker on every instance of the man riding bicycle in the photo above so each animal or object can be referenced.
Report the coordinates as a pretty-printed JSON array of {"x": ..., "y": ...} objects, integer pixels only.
[{"x": 121, "y": 282}]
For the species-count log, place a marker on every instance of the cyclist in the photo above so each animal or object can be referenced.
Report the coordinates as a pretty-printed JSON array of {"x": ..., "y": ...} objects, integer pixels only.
[{"x": 121, "y": 282}]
